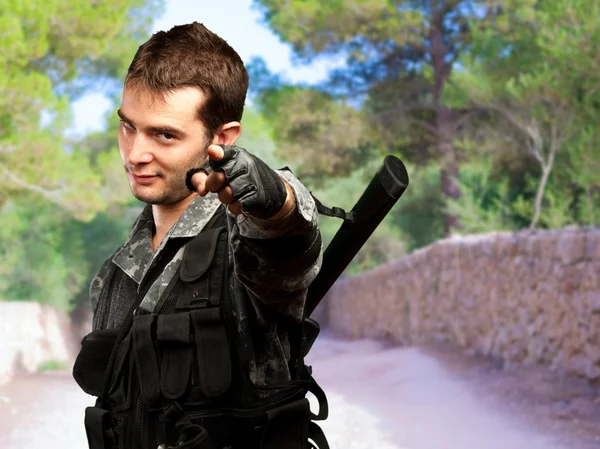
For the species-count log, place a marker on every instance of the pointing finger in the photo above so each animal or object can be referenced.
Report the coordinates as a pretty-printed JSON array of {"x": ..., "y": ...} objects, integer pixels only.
[
  {"x": 226, "y": 195},
  {"x": 235, "y": 208},
  {"x": 215, "y": 152},
  {"x": 215, "y": 181},
  {"x": 199, "y": 182}
]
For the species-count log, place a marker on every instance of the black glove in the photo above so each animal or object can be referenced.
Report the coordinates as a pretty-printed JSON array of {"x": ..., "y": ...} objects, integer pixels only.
[{"x": 258, "y": 188}]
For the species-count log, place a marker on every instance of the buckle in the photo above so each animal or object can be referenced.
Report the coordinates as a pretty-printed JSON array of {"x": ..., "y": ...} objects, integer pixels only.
[{"x": 173, "y": 411}]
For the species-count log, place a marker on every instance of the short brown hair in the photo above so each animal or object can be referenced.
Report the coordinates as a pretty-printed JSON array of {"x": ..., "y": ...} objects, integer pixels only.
[{"x": 192, "y": 55}]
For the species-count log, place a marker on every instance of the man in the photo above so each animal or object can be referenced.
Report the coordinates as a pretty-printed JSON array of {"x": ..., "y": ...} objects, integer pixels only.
[{"x": 197, "y": 316}]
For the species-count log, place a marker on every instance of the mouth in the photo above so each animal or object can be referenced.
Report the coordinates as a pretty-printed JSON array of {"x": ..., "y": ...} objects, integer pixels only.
[{"x": 143, "y": 179}]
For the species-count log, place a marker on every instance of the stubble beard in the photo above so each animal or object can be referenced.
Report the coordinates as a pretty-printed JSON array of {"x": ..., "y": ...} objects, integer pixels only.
[{"x": 173, "y": 188}]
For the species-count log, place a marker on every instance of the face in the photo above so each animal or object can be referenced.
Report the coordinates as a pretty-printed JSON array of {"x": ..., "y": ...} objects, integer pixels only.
[{"x": 160, "y": 139}]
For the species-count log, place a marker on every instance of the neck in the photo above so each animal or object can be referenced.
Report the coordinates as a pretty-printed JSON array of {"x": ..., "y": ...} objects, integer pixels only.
[{"x": 166, "y": 215}]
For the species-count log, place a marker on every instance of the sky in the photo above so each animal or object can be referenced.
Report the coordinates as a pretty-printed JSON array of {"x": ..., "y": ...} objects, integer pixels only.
[{"x": 238, "y": 23}]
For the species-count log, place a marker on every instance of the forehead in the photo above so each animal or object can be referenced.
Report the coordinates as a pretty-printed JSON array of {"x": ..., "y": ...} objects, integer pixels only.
[{"x": 144, "y": 106}]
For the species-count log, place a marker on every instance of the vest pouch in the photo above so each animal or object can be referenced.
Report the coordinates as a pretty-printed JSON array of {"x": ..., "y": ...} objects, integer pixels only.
[
  {"x": 288, "y": 426},
  {"x": 203, "y": 270},
  {"x": 213, "y": 354},
  {"x": 91, "y": 362},
  {"x": 173, "y": 334},
  {"x": 204, "y": 285},
  {"x": 99, "y": 429}
]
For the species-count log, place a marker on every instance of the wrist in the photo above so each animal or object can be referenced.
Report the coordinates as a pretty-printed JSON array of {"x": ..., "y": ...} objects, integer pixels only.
[{"x": 288, "y": 205}]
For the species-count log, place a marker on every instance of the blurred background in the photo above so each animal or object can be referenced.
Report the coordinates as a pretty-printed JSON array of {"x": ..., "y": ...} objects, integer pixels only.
[{"x": 492, "y": 105}]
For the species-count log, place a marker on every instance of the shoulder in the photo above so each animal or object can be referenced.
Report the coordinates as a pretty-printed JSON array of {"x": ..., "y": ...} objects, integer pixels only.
[
  {"x": 101, "y": 278},
  {"x": 141, "y": 220}
]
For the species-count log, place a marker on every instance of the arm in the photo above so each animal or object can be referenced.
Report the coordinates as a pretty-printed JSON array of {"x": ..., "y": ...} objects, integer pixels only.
[
  {"x": 276, "y": 259},
  {"x": 273, "y": 220}
]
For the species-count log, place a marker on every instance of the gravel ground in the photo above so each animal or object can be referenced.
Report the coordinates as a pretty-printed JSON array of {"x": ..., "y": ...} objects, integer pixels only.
[{"x": 380, "y": 397}]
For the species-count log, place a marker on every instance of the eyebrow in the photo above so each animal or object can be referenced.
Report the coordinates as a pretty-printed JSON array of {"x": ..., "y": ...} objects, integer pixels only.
[{"x": 166, "y": 129}]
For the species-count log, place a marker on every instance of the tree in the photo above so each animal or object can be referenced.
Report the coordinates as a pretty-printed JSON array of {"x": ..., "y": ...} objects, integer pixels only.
[
  {"x": 48, "y": 47},
  {"x": 400, "y": 55},
  {"x": 532, "y": 92},
  {"x": 541, "y": 118},
  {"x": 55, "y": 188}
]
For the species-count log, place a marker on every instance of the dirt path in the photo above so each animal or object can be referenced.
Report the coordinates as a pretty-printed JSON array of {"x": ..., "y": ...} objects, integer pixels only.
[
  {"x": 380, "y": 398},
  {"x": 439, "y": 398}
]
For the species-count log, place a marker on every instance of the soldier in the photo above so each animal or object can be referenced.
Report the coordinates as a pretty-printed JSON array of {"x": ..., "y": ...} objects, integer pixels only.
[{"x": 197, "y": 316}]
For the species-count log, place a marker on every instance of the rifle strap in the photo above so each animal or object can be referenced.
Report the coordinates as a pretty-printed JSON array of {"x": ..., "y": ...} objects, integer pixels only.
[{"x": 336, "y": 212}]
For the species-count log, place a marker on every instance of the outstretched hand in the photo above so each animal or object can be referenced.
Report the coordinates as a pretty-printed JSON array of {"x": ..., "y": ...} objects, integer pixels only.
[
  {"x": 244, "y": 183},
  {"x": 216, "y": 181}
]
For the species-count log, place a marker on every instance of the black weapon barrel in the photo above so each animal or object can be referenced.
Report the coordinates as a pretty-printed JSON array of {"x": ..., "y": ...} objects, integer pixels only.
[{"x": 385, "y": 188}]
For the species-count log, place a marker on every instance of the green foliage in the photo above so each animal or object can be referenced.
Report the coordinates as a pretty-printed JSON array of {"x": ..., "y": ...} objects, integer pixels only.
[
  {"x": 44, "y": 49},
  {"x": 540, "y": 97},
  {"x": 524, "y": 96},
  {"x": 99, "y": 238},
  {"x": 62, "y": 204},
  {"x": 419, "y": 212},
  {"x": 485, "y": 204},
  {"x": 558, "y": 206},
  {"x": 399, "y": 57},
  {"x": 256, "y": 138},
  {"x": 52, "y": 365},
  {"x": 386, "y": 243},
  {"x": 322, "y": 137},
  {"x": 37, "y": 256},
  {"x": 314, "y": 27},
  {"x": 490, "y": 203}
]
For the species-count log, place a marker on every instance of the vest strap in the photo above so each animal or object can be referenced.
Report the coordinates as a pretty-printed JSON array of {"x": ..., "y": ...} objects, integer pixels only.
[
  {"x": 316, "y": 434},
  {"x": 173, "y": 333},
  {"x": 315, "y": 389},
  {"x": 145, "y": 357},
  {"x": 191, "y": 435},
  {"x": 213, "y": 352}
]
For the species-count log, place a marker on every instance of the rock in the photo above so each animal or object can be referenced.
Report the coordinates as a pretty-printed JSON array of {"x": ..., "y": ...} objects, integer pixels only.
[{"x": 525, "y": 296}]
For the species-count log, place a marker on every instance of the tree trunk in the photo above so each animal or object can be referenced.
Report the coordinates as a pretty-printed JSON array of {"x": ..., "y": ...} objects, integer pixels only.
[
  {"x": 539, "y": 196},
  {"x": 444, "y": 122},
  {"x": 449, "y": 173}
]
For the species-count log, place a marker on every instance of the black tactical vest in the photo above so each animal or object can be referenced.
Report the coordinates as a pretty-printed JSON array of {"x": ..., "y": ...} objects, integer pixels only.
[{"x": 175, "y": 378}]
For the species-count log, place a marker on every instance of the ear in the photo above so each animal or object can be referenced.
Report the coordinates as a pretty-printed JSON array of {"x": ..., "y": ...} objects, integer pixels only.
[{"x": 228, "y": 133}]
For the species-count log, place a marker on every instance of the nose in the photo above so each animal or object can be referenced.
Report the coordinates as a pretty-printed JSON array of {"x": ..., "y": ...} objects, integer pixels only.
[{"x": 138, "y": 151}]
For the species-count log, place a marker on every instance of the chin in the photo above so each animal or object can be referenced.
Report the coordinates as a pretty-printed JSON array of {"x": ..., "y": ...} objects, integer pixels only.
[
  {"x": 159, "y": 198},
  {"x": 145, "y": 195}
]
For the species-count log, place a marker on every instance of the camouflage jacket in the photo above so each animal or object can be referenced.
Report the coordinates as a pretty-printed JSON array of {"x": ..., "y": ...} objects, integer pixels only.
[{"x": 274, "y": 263}]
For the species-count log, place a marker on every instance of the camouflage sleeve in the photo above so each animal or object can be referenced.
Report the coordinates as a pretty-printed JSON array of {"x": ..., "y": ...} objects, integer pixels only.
[
  {"x": 277, "y": 260},
  {"x": 100, "y": 279},
  {"x": 302, "y": 219},
  {"x": 97, "y": 285}
]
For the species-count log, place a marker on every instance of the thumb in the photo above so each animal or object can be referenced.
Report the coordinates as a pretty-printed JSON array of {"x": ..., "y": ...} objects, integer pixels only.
[{"x": 215, "y": 152}]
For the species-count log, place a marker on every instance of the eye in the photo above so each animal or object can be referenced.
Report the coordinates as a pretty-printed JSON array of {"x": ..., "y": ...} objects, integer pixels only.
[
  {"x": 127, "y": 125},
  {"x": 166, "y": 137}
]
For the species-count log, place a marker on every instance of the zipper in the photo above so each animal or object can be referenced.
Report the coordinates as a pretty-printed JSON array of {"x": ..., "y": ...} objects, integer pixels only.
[
  {"x": 246, "y": 413},
  {"x": 137, "y": 423},
  {"x": 194, "y": 368}
]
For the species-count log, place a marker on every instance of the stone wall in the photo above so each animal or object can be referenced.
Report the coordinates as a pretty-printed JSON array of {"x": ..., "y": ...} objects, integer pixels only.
[
  {"x": 526, "y": 297},
  {"x": 31, "y": 334}
]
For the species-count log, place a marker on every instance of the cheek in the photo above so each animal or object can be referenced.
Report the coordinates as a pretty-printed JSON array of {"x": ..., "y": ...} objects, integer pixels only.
[
  {"x": 122, "y": 147},
  {"x": 124, "y": 139}
]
